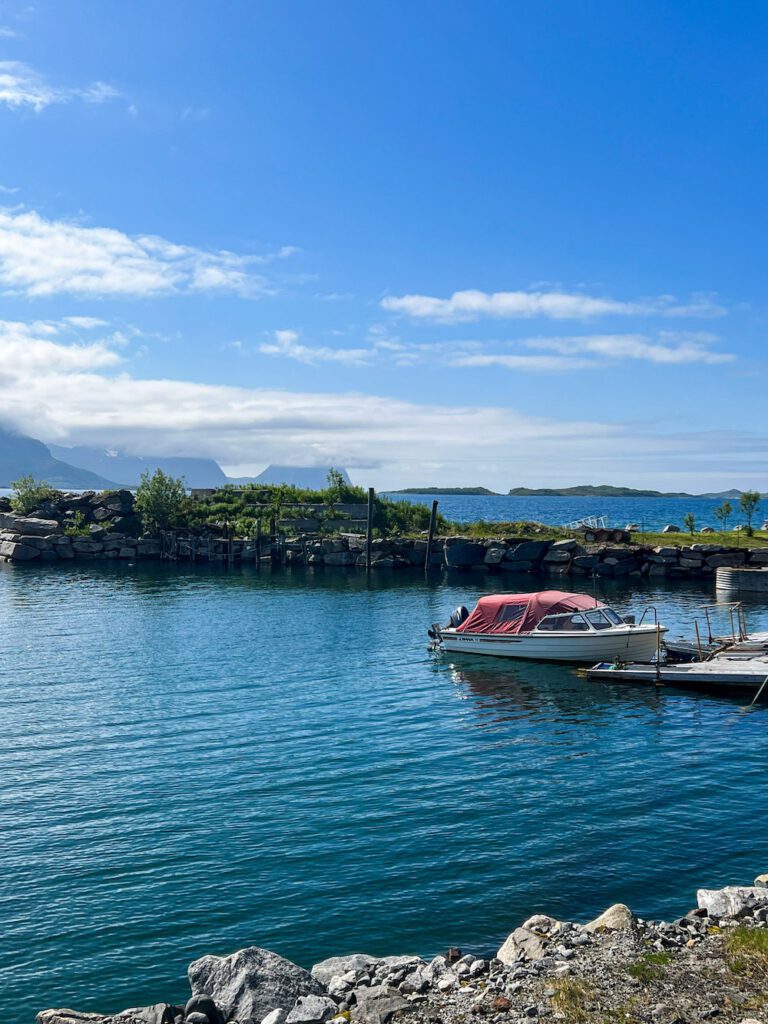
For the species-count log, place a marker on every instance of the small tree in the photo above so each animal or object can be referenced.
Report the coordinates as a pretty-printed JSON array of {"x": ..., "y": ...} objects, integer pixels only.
[
  {"x": 689, "y": 522},
  {"x": 749, "y": 503},
  {"x": 29, "y": 494},
  {"x": 160, "y": 501},
  {"x": 337, "y": 486},
  {"x": 723, "y": 513}
]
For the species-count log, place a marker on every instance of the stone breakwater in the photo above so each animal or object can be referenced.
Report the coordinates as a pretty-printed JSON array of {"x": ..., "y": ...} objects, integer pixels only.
[
  {"x": 710, "y": 964},
  {"x": 104, "y": 526}
]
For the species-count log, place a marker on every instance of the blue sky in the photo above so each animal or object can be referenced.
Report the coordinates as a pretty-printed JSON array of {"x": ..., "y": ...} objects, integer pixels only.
[{"x": 497, "y": 242}]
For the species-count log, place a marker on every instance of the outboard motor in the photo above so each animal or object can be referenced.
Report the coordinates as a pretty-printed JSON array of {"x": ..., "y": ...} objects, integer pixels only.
[{"x": 461, "y": 614}]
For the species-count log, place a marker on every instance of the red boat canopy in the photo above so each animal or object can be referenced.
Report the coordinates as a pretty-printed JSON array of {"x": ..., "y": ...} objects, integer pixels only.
[{"x": 519, "y": 613}]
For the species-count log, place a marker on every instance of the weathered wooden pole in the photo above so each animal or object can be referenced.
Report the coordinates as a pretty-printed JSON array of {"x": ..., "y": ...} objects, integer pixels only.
[
  {"x": 369, "y": 531},
  {"x": 431, "y": 535}
]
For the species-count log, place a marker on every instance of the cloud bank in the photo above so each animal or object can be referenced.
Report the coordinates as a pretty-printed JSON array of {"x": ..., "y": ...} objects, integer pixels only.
[
  {"x": 56, "y": 386},
  {"x": 40, "y": 257}
]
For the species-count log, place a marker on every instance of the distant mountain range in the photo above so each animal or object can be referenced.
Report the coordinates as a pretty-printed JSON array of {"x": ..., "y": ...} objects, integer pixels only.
[
  {"x": 312, "y": 477},
  {"x": 127, "y": 469},
  {"x": 84, "y": 468}
]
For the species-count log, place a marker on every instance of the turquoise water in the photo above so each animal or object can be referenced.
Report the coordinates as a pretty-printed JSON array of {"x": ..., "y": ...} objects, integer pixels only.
[
  {"x": 193, "y": 760},
  {"x": 648, "y": 513}
]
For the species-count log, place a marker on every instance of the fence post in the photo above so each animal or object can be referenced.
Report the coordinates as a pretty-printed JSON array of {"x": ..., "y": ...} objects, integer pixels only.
[
  {"x": 431, "y": 535},
  {"x": 369, "y": 530}
]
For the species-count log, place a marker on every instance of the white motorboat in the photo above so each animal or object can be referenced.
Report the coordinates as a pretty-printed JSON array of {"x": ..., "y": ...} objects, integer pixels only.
[{"x": 549, "y": 625}]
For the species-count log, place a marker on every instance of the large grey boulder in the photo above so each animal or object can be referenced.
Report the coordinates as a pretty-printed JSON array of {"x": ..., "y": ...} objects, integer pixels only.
[
  {"x": 522, "y": 943},
  {"x": 312, "y": 1010},
  {"x": 249, "y": 983},
  {"x": 378, "y": 1004},
  {"x": 617, "y": 918},
  {"x": 17, "y": 551},
  {"x": 335, "y": 966},
  {"x": 732, "y": 901},
  {"x": 29, "y": 524}
]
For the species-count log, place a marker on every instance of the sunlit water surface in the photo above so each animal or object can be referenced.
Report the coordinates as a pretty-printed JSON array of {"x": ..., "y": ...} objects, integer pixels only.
[{"x": 193, "y": 760}]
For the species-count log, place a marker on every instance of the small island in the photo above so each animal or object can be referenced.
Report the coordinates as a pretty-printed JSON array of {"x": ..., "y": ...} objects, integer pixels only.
[
  {"x": 469, "y": 491},
  {"x": 609, "y": 491}
]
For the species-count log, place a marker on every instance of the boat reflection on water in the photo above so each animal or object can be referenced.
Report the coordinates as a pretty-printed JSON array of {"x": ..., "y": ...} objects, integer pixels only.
[{"x": 551, "y": 693}]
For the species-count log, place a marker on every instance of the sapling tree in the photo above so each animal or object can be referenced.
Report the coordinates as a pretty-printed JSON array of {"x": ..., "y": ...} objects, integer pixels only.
[
  {"x": 723, "y": 513},
  {"x": 749, "y": 503},
  {"x": 689, "y": 522}
]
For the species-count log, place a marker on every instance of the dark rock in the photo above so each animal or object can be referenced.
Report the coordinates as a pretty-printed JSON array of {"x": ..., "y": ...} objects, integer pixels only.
[
  {"x": 528, "y": 551},
  {"x": 204, "y": 1004},
  {"x": 249, "y": 983},
  {"x": 197, "y": 1018},
  {"x": 464, "y": 554},
  {"x": 453, "y": 955}
]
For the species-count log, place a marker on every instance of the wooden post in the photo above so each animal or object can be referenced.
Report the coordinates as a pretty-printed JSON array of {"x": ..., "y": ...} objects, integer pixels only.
[
  {"x": 431, "y": 535},
  {"x": 369, "y": 530},
  {"x": 258, "y": 543}
]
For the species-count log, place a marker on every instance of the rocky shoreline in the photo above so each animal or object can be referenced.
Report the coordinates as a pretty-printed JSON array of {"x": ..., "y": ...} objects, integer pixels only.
[
  {"x": 710, "y": 964},
  {"x": 92, "y": 526}
]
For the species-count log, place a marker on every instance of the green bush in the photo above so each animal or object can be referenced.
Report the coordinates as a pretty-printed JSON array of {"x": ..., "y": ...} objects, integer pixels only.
[
  {"x": 161, "y": 501},
  {"x": 78, "y": 527},
  {"x": 29, "y": 494}
]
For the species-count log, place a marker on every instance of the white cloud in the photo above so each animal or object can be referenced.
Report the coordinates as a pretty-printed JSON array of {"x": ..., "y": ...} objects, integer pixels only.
[
  {"x": 535, "y": 364},
  {"x": 553, "y": 355},
  {"x": 22, "y": 86},
  {"x": 86, "y": 323},
  {"x": 55, "y": 387},
  {"x": 8, "y": 191},
  {"x": 687, "y": 347},
  {"x": 474, "y": 305},
  {"x": 41, "y": 257},
  {"x": 287, "y": 344},
  {"x": 35, "y": 348},
  {"x": 7, "y": 33}
]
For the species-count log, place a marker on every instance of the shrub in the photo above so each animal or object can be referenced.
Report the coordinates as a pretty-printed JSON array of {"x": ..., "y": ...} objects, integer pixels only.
[
  {"x": 78, "y": 527},
  {"x": 689, "y": 522},
  {"x": 160, "y": 501},
  {"x": 29, "y": 494}
]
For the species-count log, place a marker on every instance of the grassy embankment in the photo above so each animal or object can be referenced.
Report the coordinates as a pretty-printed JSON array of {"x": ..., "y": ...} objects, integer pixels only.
[{"x": 538, "y": 531}]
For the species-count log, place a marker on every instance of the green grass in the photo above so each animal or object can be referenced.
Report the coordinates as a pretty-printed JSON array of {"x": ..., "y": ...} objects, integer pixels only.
[
  {"x": 729, "y": 539},
  {"x": 572, "y": 998},
  {"x": 747, "y": 951},
  {"x": 649, "y": 967}
]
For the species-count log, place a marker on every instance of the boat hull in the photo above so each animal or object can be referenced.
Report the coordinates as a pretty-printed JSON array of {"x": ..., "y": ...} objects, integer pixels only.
[{"x": 629, "y": 643}]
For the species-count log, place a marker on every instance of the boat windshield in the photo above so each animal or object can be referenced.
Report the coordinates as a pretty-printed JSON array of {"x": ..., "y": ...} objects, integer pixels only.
[
  {"x": 615, "y": 619},
  {"x": 563, "y": 623},
  {"x": 597, "y": 619}
]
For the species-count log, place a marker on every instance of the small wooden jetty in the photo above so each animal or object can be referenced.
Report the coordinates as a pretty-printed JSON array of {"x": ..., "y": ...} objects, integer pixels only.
[{"x": 720, "y": 674}]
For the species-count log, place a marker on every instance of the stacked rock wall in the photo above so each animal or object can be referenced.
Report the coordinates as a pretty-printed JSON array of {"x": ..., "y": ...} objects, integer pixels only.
[{"x": 104, "y": 526}]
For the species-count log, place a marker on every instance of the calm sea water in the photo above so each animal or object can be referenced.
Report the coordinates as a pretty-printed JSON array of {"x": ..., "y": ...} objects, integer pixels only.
[
  {"x": 648, "y": 513},
  {"x": 192, "y": 761}
]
